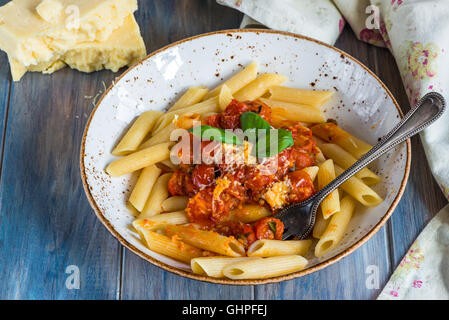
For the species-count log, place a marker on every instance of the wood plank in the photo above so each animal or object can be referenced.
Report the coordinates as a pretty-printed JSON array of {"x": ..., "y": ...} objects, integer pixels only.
[
  {"x": 4, "y": 97},
  {"x": 5, "y": 85},
  {"x": 47, "y": 223},
  {"x": 175, "y": 20}
]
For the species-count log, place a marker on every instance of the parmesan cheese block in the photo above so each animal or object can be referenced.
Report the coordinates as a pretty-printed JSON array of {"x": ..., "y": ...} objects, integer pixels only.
[
  {"x": 124, "y": 47},
  {"x": 33, "y": 32}
]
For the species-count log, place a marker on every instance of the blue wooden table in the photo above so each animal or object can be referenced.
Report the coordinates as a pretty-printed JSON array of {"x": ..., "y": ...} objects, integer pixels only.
[{"x": 47, "y": 224}]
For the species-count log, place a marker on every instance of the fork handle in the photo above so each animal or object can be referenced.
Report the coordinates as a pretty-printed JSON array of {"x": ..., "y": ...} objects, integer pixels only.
[{"x": 426, "y": 111}]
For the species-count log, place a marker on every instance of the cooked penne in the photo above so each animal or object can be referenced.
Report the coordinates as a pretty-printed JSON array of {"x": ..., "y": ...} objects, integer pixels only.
[
  {"x": 331, "y": 133},
  {"x": 300, "y": 96},
  {"x": 158, "y": 194},
  {"x": 168, "y": 165},
  {"x": 320, "y": 225},
  {"x": 138, "y": 131},
  {"x": 295, "y": 112},
  {"x": 359, "y": 190},
  {"x": 258, "y": 87},
  {"x": 319, "y": 157},
  {"x": 207, "y": 106},
  {"x": 331, "y": 203},
  {"x": 161, "y": 220},
  {"x": 213, "y": 266},
  {"x": 311, "y": 171},
  {"x": 249, "y": 213},
  {"x": 163, "y": 136},
  {"x": 345, "y": 160},
  {"x": 139, "y": 160},
  {"x": 187, "y": 121},
  {"x": 271, "y": 248},
  {"x": 191, "y": 96},
  {"x": 335, "y": 230},
  {"x": 238, "y": 81},
  {"x": 171, "y": 247},
  {"x": 143, "y": 187},
  {"x": 225, "y": 97},
  {"x": 208, "y": 240},
  {"x": 175, "y": 203},
  {"x": 265, "y": 268}
]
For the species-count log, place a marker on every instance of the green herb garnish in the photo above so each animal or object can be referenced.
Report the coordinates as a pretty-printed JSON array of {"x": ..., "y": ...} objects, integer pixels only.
[{"x": 206, "y": 132}]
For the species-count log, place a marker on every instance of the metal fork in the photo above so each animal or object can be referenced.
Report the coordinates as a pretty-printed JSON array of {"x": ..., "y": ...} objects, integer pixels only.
[{"x": 299, "y": 218}]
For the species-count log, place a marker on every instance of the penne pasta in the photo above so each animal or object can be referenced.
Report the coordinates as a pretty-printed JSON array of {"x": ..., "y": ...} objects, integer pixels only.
[
  {"x": 331, "y": 133},
  {"x": 163, "y": 136},
  {"x": 143, "y": 187},
  {"x": 168, "y": 165},
  {"x": 265, "y": 268},
  {"x": 208, "y": 240},
  {"x": 320, "y": 225},
  {"x": 258, "y": 87},
  {"x": 138, "y": 160},
  {"x": 311, "y": 171},
  {"x": 249, "y": 213},
  {"x": 207, "y": 106},
  {"x": 175, "y": 203},
  {"x": 138, "y": 131},
  {"x": 161, "y": 220},
  {"x": 191, "y": 96},
  {"x": 345, "y": 160},
  {"x": 359, "y": 190},
  {"x": 171, "y": 247},
  {"x": 295, "y": 112},
  {"x": 158, "y": 194},
  {"x": 238, "y": 81},
  {"x": 225, "y": 97},
  {"x": 213, "y": 266},
  {"x": 187, "y": 121},
  {"x": 319, "y": 157},
  {"x": 335, "y": 230},
  {"x": 331, "y": 203},
  {"x": 299, "y": 96},
  {"x": 271, "y": 248}
]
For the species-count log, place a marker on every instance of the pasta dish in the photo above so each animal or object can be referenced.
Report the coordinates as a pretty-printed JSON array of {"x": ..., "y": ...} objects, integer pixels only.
[{"x": 216, "y": 168}]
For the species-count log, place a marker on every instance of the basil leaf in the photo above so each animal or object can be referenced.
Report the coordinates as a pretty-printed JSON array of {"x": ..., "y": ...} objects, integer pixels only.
[
  {"x": 206, "y": 132},
  {"x": 266, "y": 143},
  {"x": 251, "y": 120},
  {"x": 285, "y": 139},
  {"x": 272, "y": 225}
]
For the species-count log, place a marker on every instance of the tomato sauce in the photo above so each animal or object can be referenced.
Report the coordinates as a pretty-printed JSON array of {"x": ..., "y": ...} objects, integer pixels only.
[{"x": 215, "y": 189}]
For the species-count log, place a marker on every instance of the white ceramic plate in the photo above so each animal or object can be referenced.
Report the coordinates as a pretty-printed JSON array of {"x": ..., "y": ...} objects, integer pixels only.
[{"x": 362, "y": 105}]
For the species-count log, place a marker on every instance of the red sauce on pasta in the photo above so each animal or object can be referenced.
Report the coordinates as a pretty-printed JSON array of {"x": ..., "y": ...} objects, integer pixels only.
[{"x": 217, "y": 189}]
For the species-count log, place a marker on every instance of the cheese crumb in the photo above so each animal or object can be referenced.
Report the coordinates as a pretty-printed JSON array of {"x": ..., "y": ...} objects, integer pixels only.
[
  {"x": 222, "y": 184},
  {"x": 277, "y": 194}
]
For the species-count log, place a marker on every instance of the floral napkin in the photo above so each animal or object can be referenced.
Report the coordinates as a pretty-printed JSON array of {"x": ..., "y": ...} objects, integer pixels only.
[
  {"x": 417, "y": 34},
  {"x": 424, "y": 271}
]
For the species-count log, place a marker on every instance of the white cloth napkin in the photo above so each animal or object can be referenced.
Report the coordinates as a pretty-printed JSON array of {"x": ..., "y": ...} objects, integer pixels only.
[{"x": 417, "y": 34}]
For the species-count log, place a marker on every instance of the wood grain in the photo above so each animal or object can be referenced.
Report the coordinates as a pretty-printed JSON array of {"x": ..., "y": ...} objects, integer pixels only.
[{"x": 47, "y": 223}]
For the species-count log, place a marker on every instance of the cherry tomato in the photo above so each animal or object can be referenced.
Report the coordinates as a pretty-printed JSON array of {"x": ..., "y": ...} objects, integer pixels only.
[
  {"x": 230, "y": 117},
  {"x": 301, "y": 186},
  {"x": 213, "y": 120},
  {"x": 269, "y": 228},
  {"x": 203, "y": 175}
]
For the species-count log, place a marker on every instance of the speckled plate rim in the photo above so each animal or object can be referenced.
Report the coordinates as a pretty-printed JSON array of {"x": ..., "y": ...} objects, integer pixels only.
[{"x": 190, "y": 275}]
